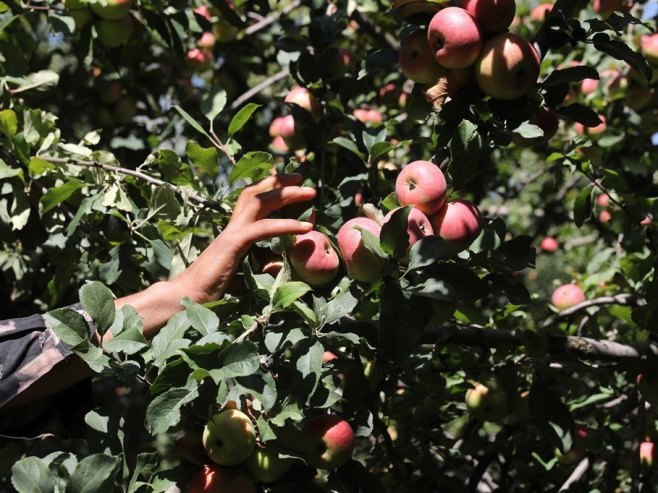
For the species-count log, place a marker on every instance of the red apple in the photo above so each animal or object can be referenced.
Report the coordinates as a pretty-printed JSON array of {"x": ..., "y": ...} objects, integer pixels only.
[
  {"x": 206, "y": 41},
  {"x": 603, "y": 200},
  {"x": 113, "y": 33},
  {"x": 417, "y": 60},
  {"x": 591, "y": 131},
  {"x": 304, "y": 98},
  {"x": 361, "y": 263},
  {"x": 290, "y": 134},
  {"x": 332, "y": 439},
  {"x": 214, "y": 479},
  {"x": 649, "y": 47},
  {"x": 549, "y": 244},
  {"x": 275, "y": 127},
  {"x": 272, "y": 267},
  {"x": 508, "y": 67},
  {"x": 422, "y": 185},
  {"x": 200, "y": 57},
  {"x": 458, "y": 223},
  {"x": 605, "y": 216},
  {"x": 539, "y": 13},
  {"x": 493, "y": 16},
  {"x": 454, "y": 37},
  {"x": 566, "y": 296},
  {"x": 313, "y": 259},
  {"x": 327, "y": 356},
  {"x": 647, "y": 453},
  {"x": 203, "y": 11},
  {"x": 367, "y": 115},
  {"x": 588, "y": 86},
  {"x": 418, "y": 225},
  {"x": 111, "y": 9},
  {"x": 279, "y": 145}
]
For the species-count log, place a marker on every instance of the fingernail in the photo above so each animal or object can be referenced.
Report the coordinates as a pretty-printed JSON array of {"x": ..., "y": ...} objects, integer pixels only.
[
  {"x": 308, "y": 189},
  {"x": 306, "y": 224}
]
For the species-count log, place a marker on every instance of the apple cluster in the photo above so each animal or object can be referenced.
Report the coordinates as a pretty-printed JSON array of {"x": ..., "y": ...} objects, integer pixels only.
[
  {"x": 117, "y": 107},
  {"x": 111, "y": 19},
  {"x": 420, "y": 185},
  {"x": 238, "y": 460},
  {"x": 470, "y": 40},
  {"x": 285, "y": 131},
  {"x": 222, "y": 32}
]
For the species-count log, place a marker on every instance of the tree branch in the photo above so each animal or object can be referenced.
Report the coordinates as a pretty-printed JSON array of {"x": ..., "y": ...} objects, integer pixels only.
[
  {"x": 272, "y": 18},
  {"x": 273, "y": 79},
  {"x": 576, "y": 475},
  {"x": 138, "y": 174}
]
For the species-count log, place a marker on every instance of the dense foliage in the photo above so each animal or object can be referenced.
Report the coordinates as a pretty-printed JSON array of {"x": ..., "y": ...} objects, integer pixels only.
[{"x": 118, "y": 165}]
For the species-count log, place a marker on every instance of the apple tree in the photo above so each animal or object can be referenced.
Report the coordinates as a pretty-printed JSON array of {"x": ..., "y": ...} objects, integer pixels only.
[{"x": 473, "y": 310}]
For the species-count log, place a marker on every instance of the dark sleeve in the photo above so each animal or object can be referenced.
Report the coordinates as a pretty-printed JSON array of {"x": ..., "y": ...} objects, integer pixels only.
[{"x": 29, "y": 349}]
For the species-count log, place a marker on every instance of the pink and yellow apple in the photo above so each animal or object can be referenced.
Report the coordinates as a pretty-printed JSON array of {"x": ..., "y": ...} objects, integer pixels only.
[
  {"x": 566, "y": 296},
  {"x": 418, "y": 225},
  {"x": 458, "y": 223},
  {"x": 313, "y": 259},
  {"x": 422, "y": 185},
  {"x": 508, "y": 67},
  {"x": 539, "y": 13},
  {"x": 368, "y": 115},
  {"x": 417, "y": 60},
  {"x": 454, "y": 37},
  {"x": 647, "y": 453},
  {"x": 493, "y": 16},
  {"x": 290, "y": 134},
  {"x": 214, "y": 479},
  {"x": 331, "y": 439},
  {"x": 649, "y": 47},
  {"x": 229, "y": 437},
  {"x": 549, "y": 244},
  {"x": 487, "y": 402},
  {"x": 592, "y": 131},
  {"x": 304, "y": 98},
  {"x": 206, "y": 41},
  {"x": 361, "y": 263}
]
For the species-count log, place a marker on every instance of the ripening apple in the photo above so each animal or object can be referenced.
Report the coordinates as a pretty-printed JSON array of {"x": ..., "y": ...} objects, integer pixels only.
[
  {"x": 458, "y": 223},
  {"x": 368, "y": 115},
  {"x": 588, "y": 86},
  {"x": 649, "y": 47},
  {"x": 313, "y": 259},
  {"x": 417, "y": 60},
  {"x": 275, "y": 127},
  {"x": 647, "y": 453},
  {"x": 304, "y": 98},
  {"x": 454, "y": 37},
  {"x": 200, "y": 58},
  {"x": 592, "y": 131},
  {"x": 290, "y": 133},
  {"x": 539, "y": 13},
  {"x": 508, "y": 67},
  {"x": 113, "y": 33},
  {"x": 487, "y": 402},
  {"x": 493, "y": 16},
  {"x": 605, "y": 8},
  {"x": 206, "y": 41},
  {"x": 603, "y": 200},
  {"x": 279, "y": 145},
  {"x": 566, "y": 296},
  {"x": 229, "y": 437},
  {"x": 327, "y": 356},
  {"x": 266, "y": 465},
  {"x": 647, "y": 384},
  {"x": 361, "y": 263},
  {"x": 418, "y": 225},
  {"x": 605, "y": 216},
  {"x": 124, "y": 111},
  {"x": 549, "y": 244},
  {"x": 545, "y": 119},
  {"x": 214, "y": 479},
  {"x": 331, "y": 439},
  {"x": 422, "y": 185},
  {"x": 272, "y": 267},
  {"x": 111, "y": 9},
  {"x": 203, "y": 11}
]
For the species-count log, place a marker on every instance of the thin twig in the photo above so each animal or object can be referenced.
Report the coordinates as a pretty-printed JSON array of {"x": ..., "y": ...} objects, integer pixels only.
[
  {"x": 272, "y": 18},
  {"x": 273, "y": 79},
  {"x": 137, "y": 174},
  {"x": 576, "y": 475}
]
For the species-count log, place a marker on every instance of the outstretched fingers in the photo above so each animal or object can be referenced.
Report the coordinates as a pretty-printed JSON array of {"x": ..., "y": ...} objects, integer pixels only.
[
  {"x": 262, "y": 186},
  {"x": 269, "y": 228}
]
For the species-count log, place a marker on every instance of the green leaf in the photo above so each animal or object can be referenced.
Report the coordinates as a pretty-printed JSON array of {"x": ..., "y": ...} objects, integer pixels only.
[
  {"x": 42, "y": 80},
  {"x": 528, "y": 130},
  {"x": 57, "y": 195},
  {"x": 426, "y": 251},
  {"x": 288, "y": 293},
  {"x": 371, "y": 243},
  {"x": 308, "y": 357},
  {"x": 253, "y": 165},
  {"x": 240, "y": 360},
  {"x": 130, "y": 340},
  {"x": 551, "y": 415},
  {"x": 205, "y": 159},
  {"x": 241, "y": 118},
  {"x": 570, "y": 74},
  {"x": 261, "y": 386},
  {"x": 164, "y": 411},
  {"x": 337, "y": 308},
  {"x": 68, "y": 325},
  {"x": 98, "y": 301},
  {"x": 193, "y": 123},
  {"x": 621, "y": 51},
  {"x": 8, "y": 172},
  {"x": 31, "y": 475},
  {"x": 465, "y": 153},
  {"x": 170, "y": 338},
  {"x": 205, "y": 321},
  {"x": 94, "y": 473},
  {"x": 379, "y": 149},
  {"x": 349, "y": 145},
  {"x": 8, "y": 123},
  {"x": 579, "y": 113},
  {"x": 213, "y": 102},
  {"x": 582, "y": 206},
  {"x": 394, "y": 238}
]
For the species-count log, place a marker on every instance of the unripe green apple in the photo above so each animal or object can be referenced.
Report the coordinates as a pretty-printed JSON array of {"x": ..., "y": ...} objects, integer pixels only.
[
  {"x": 124, "y": 111},
  {"x": 493, "y": 16},
  {"x": 266, "y": 465},
  {"x": 566, "y": 296},
  {"x": 458, "y": 223},
  {"x": 422, "y": 185},
  {"x": 313, "y": 259},
  {"x": 79, "y": 12},
  {"x": 331, "y": 441},
  {"x": 75, "y": 5},
  {"x": 508, "y": 67},
  {"x": 113, "y": 33},
  {"x": 213, "y": 479},
  {"x": 229, "y": 437},
  {"x": 417, "y": 60},
  {"x": 454, "y": 37},
  {"x": 361, "y": 263},
  {"x": 111, "y": 9},
  {"x": 487, "y": 402}
]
